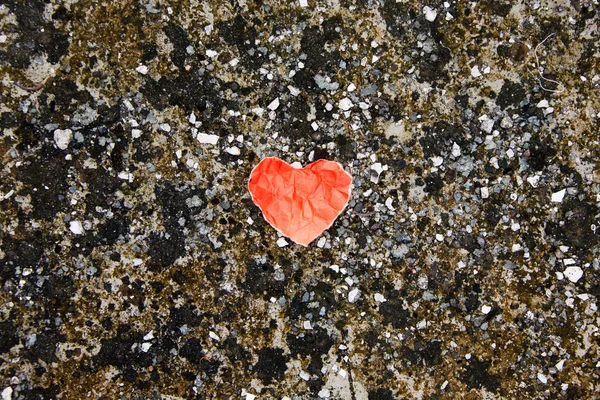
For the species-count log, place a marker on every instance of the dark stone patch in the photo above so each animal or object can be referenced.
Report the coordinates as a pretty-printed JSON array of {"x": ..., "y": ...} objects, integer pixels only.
[
  {"x": 260, "y": 279},
  {"x": 381, "y": 394},
  {"x": 242, "y": 34},
  {"x": 187, "y": 314},
  {"x": 192, "y": 351},
  {"x": 60, "y": 97},
  {"x": 101, "y": 188},
  {"x": 500, "y": 8},
  {"x": 428, "y": 354},
  {"x": 313, "y": 44},
  {"x": 180, "y": 40},
  {"x": 432, "y": 353},
  {"x": 398, "y": 18},
  {"x": 58, "y": 291},
  {"x": 394, "y": 313},
  {"x": 580, "y": 216},
  {"x": 149, "y": 51},
  {"x": 115, "y": 351},
  {"x": 19, "y": 253},
  {"x": 235, "y": 351},
  {"x": 323, "y": 295},
  {"x": 40, "y": 393},
  {"x": 45, "y": 347},
  {"x": 109, "y": 232},
  {"x": 210, "y": 367},
  {"x": 541, "y": 155},
  {"x": 165, "y": 248},
  {"x": 439, "y": 138},
  {"x": 189, "y": 91},
  {"x": 9, "y": 336},
  {"x": 432, "y": 68},
  {"x": 434, "y": 184},
  {"x": 118, "y": 352},
  {"x": 271, "y": 365},
  {"x": 511, "y": 95},
  {"x": 36, "y": 35},
  {"x": 133, "y": 293},
  {"x": 476, "y": 376},
  {"x": 315, "y": 343},
  {"x": 46, "y": 174},
  {"x": 28, "y": 135}
]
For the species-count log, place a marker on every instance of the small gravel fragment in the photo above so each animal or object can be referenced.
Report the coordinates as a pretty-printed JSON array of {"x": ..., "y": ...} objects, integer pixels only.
[
  {"x": 379, "y": 298},
  {"x": 142, "y": 69},
  {"x": 430, "y": 13},
  {"x": 274, "y": 105},
  {"x": 208, "y": 139},
  {"x": 62, "y": 138},
  {"x": 7, "y": 393},
  {"x": 557, "y": 197},
  {"x": 354, "y": 295},
  {"x": 76, "y": 227},
  {"x": 573, "y": 274},
  {"x": 345, "y": 104}
]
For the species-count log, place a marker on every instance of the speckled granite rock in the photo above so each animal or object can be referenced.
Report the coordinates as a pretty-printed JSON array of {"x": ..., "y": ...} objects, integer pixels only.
[{"x": 133, "y": 263}]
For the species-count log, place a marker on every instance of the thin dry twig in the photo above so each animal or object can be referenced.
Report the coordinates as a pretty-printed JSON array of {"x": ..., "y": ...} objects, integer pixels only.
[
  {"x": 29, "y": 88},
  {"x": 539, "y": 69}
]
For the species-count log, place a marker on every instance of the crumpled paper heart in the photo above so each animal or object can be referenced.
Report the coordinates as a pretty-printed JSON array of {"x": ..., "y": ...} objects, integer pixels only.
[{"x": 300, "y": 203}]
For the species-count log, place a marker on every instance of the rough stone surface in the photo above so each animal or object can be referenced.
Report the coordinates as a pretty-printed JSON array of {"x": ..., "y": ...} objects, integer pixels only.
[{"x": 128, "y": 131}]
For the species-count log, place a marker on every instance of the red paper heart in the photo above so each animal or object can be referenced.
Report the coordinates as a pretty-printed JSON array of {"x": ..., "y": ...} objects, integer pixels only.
[{"x": 300, "y": 203}]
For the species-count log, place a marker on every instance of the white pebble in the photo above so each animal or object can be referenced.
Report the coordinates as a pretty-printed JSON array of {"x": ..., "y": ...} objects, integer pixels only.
[
  {"x": 281, "y": 242},
  {"x": 303, "y": 3},
  {"x": 543, "y": 104},
  {"x": 274, "y": 105},
  {"x": 146, "y": 346},
  {"x": 430, "y": 13},
  {"x": 293, "y": 91},
  {"x": 214, "y": 336},
  {"x": 437, "y": 161},
  {"x": 558, "y": 197},
  {"x": 456, "y": 151},
  {"x": 208, "y": 139},
  {"x": 573, "y": 273},
  {"x": 142, "y": 69},
  {"x": 475, "y": 73},
  {"x": 211, "y": 53},
  {"x": 234, "y": 151},
  {"x": 389, "y": 203},
  {"x": 533, "y": 180},
  {"x": 7, "y": 393},
  {"x": 351, "y": 87},
  {"x": 486, "y": 309},
  {"x": 542, "y": 378},
  {"x": 76, "y": 227},
  {"x": 379, "y": 298},
  {"x": 345, "y": 104},
  {"x": 353, "y": 295},
  {"x": 62, "y": 138}
]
